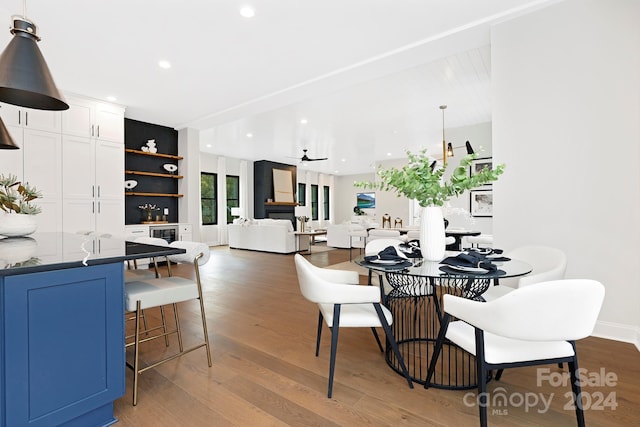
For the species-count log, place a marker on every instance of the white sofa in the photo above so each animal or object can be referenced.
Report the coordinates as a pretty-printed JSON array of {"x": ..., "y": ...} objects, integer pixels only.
[{"x": 267, "y": 235}]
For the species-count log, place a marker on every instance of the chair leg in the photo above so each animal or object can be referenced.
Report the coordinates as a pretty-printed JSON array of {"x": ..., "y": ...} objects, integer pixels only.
[
  {"x": 576, "y": 389},
  {"x": 499, "y": 374},
  {"x": 392, "y": 341},
  {"x": 136, "y": 351},
  {"x": 482, "y": 377},
  {"x": 437, "y": 349},
  {"x": 164, "y": 327},
  {"x": 204, "y": 328},
  {"x": 375, "y": 334},
  {"x": 178, "y": 331},
  {"x": 334, "y": 346},
  {"x": 319, "y": 334}
]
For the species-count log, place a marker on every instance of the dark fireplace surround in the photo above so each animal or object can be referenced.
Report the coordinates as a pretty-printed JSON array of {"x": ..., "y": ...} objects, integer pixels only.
[{"x": 263, "y": 192}]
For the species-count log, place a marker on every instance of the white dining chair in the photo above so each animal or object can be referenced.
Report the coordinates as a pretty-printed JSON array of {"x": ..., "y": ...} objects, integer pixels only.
[
  {"x": 548, "y": 264},
  {"x": 533, "y": 325},
  {"x": 342, "y": 303}
]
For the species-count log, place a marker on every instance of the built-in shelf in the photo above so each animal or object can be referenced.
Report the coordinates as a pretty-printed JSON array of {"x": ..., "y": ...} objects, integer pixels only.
[
  {"x": 162, "y": 175},
  {"x": 281, "y": 203},
  {"x": 146, "y": 153},
  {"x": 133, "y": 193}
]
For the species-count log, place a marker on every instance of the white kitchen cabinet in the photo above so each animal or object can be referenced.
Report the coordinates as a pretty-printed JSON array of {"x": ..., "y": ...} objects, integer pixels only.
[
  {"x": 11, "y": 160},
  {"x": 92, "y": 185},
  {"x": 185, "y": 232},
  {"x": 93, "y": 119},
  {"x": 12, "y": 115},
  {"x": 43, "y": 170}
]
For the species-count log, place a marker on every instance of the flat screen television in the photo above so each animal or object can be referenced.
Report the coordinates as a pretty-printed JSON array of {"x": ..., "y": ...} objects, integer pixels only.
[{"x": 366, "y": 200}]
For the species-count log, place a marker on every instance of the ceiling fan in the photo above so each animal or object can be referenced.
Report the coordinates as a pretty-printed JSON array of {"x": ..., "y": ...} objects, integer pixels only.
[{"x": 306, "y": 158}]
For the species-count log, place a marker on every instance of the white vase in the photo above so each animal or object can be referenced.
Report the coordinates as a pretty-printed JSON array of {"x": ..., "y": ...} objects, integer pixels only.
[
  {"x": 432, "y": 237},
  {"x": 13, "y": 224}
]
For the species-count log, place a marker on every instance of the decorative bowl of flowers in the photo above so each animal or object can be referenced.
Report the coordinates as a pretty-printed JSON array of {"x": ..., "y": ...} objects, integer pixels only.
[{"x": 17, "y": 216}]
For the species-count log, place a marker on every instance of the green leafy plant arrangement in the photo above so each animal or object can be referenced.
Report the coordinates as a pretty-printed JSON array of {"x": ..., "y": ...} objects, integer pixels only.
[
  {"x": 17, "y": 197},
  {"x": 421, "y": 180}
]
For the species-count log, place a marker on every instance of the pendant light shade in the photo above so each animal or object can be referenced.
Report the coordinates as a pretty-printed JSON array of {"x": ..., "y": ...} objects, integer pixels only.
[
  {"x": 469, "y": 147},
  {"x": 449, "y": 150},
  {"x": 6, "y": 142},
  {"x": 25, "y": 79}
]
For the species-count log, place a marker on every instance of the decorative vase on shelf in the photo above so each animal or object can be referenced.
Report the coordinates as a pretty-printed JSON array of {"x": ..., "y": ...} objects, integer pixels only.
[
  {"x": 432, "y": 237},
  {"x": 14, "y": 224}
]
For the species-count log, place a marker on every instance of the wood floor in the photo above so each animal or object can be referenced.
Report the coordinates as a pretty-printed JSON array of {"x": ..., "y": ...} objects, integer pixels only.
[{"x": 265, "y": 373}]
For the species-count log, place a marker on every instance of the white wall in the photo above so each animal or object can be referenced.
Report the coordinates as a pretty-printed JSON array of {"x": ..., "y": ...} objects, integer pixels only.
[{"x": 566, "y": 114}]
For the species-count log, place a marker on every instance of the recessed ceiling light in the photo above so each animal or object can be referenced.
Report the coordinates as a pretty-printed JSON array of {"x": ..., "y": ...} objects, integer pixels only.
[
  {"x": 343, "y": 160},
  {"x": 111, "y": 98},
  {"x": 208, "y": 145},
  {"x": 164, "y": 64},
  {"x": 336, "y": 171},
  {"x": 303, "y": 121},
  {"x": 388, "y": 154},
  {"x": 247, "y": 12},
  {"x": 249, "y": 135}
]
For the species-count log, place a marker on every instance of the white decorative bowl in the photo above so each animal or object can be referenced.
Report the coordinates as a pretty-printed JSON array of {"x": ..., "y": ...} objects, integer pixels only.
[
  {"x": 145, "y": 148},
  {"x": 13, "y": 224},
  {"x": 130, "y": 184},
  {"x": 170, "y": 168}
]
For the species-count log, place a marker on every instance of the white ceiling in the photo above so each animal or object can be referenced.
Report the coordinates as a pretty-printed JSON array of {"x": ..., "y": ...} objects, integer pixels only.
[{"x": 368, "y": 75}]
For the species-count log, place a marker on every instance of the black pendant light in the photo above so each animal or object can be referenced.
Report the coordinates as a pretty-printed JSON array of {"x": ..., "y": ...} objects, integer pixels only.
[
  {"x": 6, "y": 142},
  {"x": 25, "y": 79}
]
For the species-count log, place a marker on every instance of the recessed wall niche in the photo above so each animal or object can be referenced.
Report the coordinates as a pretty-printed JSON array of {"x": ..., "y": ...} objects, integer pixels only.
[{"x": 149, "y": 171}]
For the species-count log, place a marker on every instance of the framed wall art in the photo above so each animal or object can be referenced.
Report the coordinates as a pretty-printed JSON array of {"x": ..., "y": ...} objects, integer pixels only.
[
  {"x": 481, "y": 203},
  {"x": 478, "y": 164}
]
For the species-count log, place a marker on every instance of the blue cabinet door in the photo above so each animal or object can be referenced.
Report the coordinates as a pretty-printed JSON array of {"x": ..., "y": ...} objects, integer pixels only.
[{"x": 63, "y": 346}]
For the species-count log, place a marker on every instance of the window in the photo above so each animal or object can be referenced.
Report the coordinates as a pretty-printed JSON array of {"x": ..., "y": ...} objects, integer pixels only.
[
  {"x": 208, "y": 198},
  {"x": 314, "y": 202},
  {"x": 325, "y": 202},
  {"x": 302, "y": 193},
  {"x": 233, "y": 195}
]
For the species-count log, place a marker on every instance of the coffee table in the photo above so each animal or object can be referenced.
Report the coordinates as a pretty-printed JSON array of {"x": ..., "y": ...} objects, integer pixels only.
[{"x": 311, "y": 234}]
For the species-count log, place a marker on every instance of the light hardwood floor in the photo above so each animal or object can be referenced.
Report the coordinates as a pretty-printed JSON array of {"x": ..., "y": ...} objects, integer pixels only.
[{"x": 265, "y": 373}]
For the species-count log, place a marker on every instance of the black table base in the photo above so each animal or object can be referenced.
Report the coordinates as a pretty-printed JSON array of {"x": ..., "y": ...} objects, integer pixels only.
[{"x": 415, "y": 303}]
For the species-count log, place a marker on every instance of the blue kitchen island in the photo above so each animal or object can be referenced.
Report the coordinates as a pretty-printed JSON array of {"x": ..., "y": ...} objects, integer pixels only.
[{"x": 62, "y": 356}]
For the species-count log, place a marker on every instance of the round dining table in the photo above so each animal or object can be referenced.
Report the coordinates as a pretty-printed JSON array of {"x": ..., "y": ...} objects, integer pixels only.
[{"x": 413, "y": 293}]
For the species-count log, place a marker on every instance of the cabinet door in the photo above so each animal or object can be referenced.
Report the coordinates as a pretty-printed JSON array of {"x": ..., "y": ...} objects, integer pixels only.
[
  {"x": 42, "y": 169},
  {"x": 11, "y": 160},
  {"x": 49, "y": 121},
  {"x": 11, "y": 115},
  {"x": 79, "y": 214},
  {"x": 109, "y": 162},
  {"x": 63, "y": 353},
  {"x": 79, "y": 118},
  {"x": 110, "y": 216},
  {"x": 109, "y": 123},
  {"x": 78, "y": 167}
]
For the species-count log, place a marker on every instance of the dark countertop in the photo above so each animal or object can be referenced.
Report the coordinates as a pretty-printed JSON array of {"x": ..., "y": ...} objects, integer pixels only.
[{"x": 55, "y": 251}]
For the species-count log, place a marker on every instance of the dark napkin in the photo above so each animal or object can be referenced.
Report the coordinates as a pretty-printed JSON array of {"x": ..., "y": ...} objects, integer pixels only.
[
  {"x": 470, "y": 259},
  {"x": 490, "y": 254},
  {"x": 387, "y": 254}
]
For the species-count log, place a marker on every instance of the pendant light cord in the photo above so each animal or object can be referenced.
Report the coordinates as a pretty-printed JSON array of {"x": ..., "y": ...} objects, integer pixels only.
[{"x": 24, "y": 9}]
